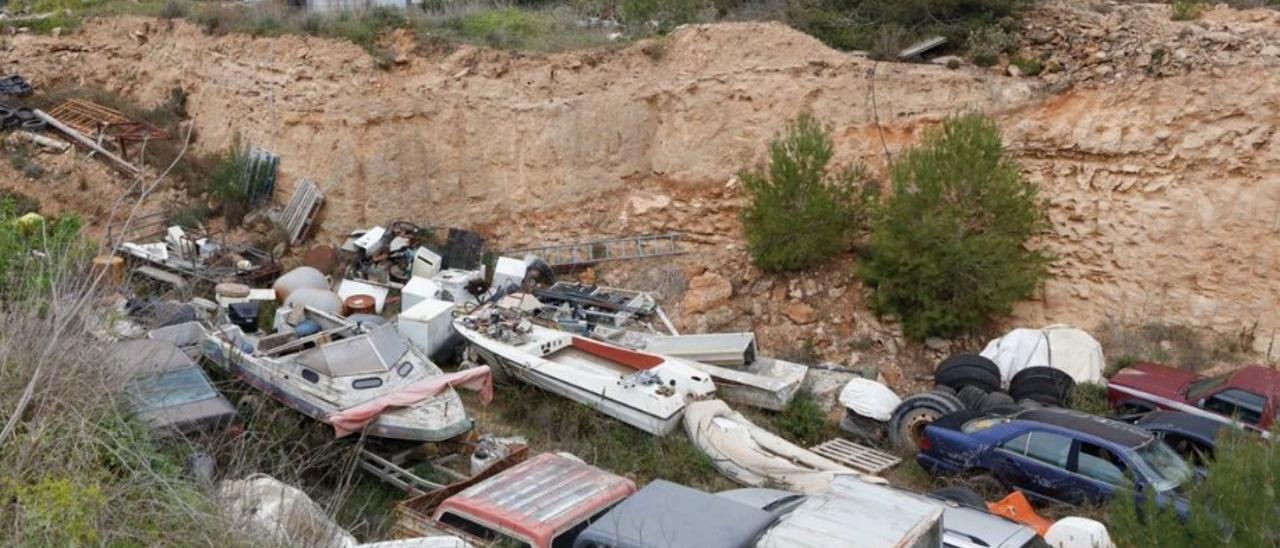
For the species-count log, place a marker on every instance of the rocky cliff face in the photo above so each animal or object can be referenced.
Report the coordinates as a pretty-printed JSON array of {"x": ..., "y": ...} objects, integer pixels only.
[{"x": 1153, "y": 141}]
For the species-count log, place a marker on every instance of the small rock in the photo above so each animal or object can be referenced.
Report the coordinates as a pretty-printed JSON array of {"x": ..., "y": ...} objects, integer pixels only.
[
  {"x": 800, "y": 313},
  {"x": 1014, "y": 71},
  {"x": 937, "y": 344},
  {"x": 706, "y": 292},
  {"x": 56, "y": 32},
  {"x": 1040, "y": 36},
  {"x": 949, "y": 61},
  {"x": 1102, "y": 70},
  {"x": 1270, "y": 51}
]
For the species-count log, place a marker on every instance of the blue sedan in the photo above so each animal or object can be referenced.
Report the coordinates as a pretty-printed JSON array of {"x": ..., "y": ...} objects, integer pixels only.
[{"x": 1056, "y": 456}]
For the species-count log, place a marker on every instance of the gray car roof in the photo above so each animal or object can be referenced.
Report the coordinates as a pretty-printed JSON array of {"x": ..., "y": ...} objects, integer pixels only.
[{"x": 665, "y": 514}]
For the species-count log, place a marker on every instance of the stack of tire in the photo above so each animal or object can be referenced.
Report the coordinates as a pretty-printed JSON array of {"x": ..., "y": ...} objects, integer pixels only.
[
  {"x": 971, "y": 382},
  {"x": 19, "y": 118}
]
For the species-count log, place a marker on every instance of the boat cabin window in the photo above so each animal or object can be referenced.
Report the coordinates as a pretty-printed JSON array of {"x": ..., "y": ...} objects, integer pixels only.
[
  {"x": 404, "y": 369},
  {"x": 310, "y": 375},
  {"x": 479, "y": 531},
  {"x": 366, "y": 383}
]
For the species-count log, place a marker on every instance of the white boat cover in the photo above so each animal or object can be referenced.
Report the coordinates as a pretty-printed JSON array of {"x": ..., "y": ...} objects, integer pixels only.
[
  {"x": 1059, "y": 346},
  {"x": 281, "y": 514},
  {"x": 753, "y": 456},
  {"x": 869, "y": 399},
  {"x": 1073, "y": 532}
]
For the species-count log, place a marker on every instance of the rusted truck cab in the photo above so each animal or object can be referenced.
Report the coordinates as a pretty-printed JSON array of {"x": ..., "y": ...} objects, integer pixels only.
[{"x": 543, "y": 502}]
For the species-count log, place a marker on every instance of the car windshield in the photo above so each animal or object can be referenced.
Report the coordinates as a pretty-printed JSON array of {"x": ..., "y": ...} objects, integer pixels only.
[
  {"x": 1162, "y": 467},
  {"x": 170, "y": 388},
  {"x": 1199, "y": 388}
]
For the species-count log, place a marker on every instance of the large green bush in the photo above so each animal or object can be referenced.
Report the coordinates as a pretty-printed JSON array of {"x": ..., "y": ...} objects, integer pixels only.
[
  {"x": 799, "y": 212},
  {"x": 1236, "y": 504},
  {"x": 949, "y": 248}
]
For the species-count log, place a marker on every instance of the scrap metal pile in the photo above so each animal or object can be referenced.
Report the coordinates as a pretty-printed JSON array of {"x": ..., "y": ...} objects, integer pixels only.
[{"x": 355, "y": 337}]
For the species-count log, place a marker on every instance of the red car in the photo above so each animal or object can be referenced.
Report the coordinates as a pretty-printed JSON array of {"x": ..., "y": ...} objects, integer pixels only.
[{"x": 1250, "y": 394}]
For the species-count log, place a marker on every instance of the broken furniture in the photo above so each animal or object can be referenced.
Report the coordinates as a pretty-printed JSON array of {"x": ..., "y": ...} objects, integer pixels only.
[{"x": 100, "y": 124}]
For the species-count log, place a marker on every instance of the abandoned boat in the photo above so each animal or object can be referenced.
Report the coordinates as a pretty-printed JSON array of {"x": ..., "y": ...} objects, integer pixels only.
[
  {"x": 644, "y": 390},
  {"x": 739, "y": 374},
  {"x": 334, "y": 368},
  {"x": 755, "y": 457}
]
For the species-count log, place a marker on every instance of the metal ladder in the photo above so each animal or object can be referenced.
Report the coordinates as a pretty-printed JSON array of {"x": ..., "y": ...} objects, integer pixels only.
[
  {"x": 392, "y": 473},
  {"x": 590, "y": 252}
]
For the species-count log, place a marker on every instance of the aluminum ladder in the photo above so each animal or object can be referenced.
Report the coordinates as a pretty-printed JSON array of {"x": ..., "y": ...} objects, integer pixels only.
[
  {"x": 590, "y": 252},
  {"x": 393, "y": 473}
]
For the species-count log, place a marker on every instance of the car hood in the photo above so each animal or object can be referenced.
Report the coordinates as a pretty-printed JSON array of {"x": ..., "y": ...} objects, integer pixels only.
[{"x": 1156, "y": 379}]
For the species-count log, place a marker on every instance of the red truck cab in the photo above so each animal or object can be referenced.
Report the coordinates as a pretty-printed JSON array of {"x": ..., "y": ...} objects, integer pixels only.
[
  {"x": 542, "y": 502},
  {"x": 1250, "y": 394}
]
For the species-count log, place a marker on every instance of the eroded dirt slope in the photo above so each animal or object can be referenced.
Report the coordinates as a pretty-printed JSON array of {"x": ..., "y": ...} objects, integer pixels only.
[{"x": 1162, "y": 169}]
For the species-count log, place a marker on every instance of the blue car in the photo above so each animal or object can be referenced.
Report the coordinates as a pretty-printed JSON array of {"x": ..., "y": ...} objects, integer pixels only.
[{"x": 1056, "y": 456}]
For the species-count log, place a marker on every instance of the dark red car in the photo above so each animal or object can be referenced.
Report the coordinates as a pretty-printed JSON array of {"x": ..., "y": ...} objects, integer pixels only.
[{"x": 1251, "y": 394}]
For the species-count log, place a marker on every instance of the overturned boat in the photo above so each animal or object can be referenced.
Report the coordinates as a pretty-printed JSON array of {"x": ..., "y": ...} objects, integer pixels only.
[
  {"x": 740, "y": 375},
  {"x": 355, "y": 379},
  {"x": 755, "y": 457},
  {"x": 644, "y": 390}
]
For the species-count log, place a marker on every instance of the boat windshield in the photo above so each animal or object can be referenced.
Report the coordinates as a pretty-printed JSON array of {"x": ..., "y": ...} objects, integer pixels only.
[
  {"x": 171, "y": 388},
  {"x": 1162, "y": 467},
  {"x": 1202, "y": 387}
]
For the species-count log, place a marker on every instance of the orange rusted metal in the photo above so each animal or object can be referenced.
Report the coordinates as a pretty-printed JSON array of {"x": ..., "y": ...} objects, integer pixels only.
[
  {"x": 101, "y": 123},
  {"x": 1017, "y": 508}
]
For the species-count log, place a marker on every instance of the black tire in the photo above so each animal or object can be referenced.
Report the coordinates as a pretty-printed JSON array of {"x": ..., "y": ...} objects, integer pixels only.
[
  {"x": 961, "y": 495},
  {"x": 25, "y": 114},
  {"x": 1006, "y": 410},
  {"x": 972, "y": 397},
  {"x": 35, "y": 124},
  {"x": 995, "y": 400},
  {"x": 906, "y": 425},
  {"x": 987, "y": 485},
  {"x": 862, "y": 429},
  {"x": 963, "y": 370},
  {"x": 1043, "y": 384},
  {"x": 944, "y": 389},
  {"x": 1029, "y": 404}
]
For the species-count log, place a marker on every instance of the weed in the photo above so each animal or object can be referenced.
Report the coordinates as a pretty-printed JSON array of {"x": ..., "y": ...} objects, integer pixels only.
[
  {"x": 860, "y": 24},
  {"x": 986, "y": 43},
  {"x": 20, "y": 159},
  {"x": 1029, "y": 66},
  {"x": 1186, "y": 10},
  {"x": 176, "y": 9},
  {"x": 506, "y": 27},
  {"x": 1175, "y": 344},
  {"x": 17, "y": 204},
  {"x": 804, "y": 421},
  {"x": 1090, "y": 398}
]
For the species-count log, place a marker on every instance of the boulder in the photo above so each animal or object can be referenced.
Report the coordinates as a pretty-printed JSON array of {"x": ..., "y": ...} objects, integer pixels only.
[{"x": 706, "y": 292}]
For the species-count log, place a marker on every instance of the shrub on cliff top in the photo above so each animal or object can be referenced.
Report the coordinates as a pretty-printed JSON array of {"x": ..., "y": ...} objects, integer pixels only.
[
  {"x": 948, "y": 250},
  {"x": 799, "y": 212}
]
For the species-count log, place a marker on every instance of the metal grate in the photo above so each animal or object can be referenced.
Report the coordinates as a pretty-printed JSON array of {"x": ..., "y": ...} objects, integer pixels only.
[
  {"x": 392, "y": 473},
  {"x": 301, "y": 211},
  {"x": 859, "y": 457},
  {"x": 590, "y": 252}
]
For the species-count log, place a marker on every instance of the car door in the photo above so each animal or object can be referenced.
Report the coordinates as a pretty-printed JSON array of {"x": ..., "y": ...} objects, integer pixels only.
[
  {"x": 1036, "y": 462},
  {"x": 1100, "y": 471}
]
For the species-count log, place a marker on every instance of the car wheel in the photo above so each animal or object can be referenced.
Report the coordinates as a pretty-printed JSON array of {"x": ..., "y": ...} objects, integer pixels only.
[
  {"x": 1043, "y": 384},
  {"x": 987, "y": 485},
  {"x": 996, "y": 400},
  {"x": 961, "y": 495},
  {"x": 906, "y": 425},
  {"x": 972, "y": 396},
  {"x": 963, "y": 370}
]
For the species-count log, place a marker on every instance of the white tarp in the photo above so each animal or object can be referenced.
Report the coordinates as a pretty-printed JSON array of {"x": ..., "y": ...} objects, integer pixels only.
[
  {"x": 1073, "y": 532},
  {"x": 1061, "y": 347},
  {"x": 869, "y": 399}
]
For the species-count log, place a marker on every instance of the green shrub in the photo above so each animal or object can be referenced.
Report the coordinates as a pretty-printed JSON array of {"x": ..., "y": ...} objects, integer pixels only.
[
  {"x": 1029, "y": 66},
  {"x": 1090, "y": 398},
  {"x": 948, "y": 248},
  {"x": 668, "y": 14},
  {"x": 1186, "y": 10},
  {"x": 235, "y": 180},
  {"x": 33, "y": 253},
  {"x": 176, "y": 9},
  {"x": 1234, "y": 505},
  {"x": 986, "y": 43},
  {"x": 799, "y": 212},
  {"x": 858, "y": 24},
  {"x": 506, "y": 27},
  {"x": 803, "y": 421}
]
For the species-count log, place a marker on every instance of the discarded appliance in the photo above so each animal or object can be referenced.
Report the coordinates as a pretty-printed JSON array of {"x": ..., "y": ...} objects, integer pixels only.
[
  {"x": 730, "y": 359},
  {"x": 604, "y": 306},
  {"x": 203, "y": 256},
  {"x": 339, "y": 369},
  {"x": 352, "y": 288},
  {"x": 426, "y": 263},
  {"x": 168, "y": 391},
  {"x": 428, "y": 325},
  {"x": 277, "y": 513},
  {"x": 418, "y": 290},
  {"x": 542, "y": 502},
  {"x": 645, "y": 390},
  {"x": 463, "y": 249},
  {"x": 753, "y": 456},
  {"x": 668, "y": 515},
  {"x": 299, "y": 214},
  {"x": 1061, "y": 347}
]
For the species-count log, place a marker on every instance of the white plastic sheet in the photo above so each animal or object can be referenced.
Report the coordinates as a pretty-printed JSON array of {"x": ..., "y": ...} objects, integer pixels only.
[
  {"x": 1073, "y": 532},
  {"x": 1061, "y": 347},
  {"x": 869, "y": 399}
]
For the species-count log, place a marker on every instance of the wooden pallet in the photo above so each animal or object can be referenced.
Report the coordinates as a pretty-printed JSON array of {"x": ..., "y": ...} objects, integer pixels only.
[{"x": 859, "y": 457}]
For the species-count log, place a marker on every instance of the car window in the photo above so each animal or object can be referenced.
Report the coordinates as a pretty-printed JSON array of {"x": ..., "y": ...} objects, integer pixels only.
[
  {"x": 1049, "y": 448},
  {"x": 171, "y": 388},
  {"x": 1197, "y": 453},
  {"x": 1201, "y": 387},
  {"x": 1101, "y": 464},
  {"x": 1017, "y": 445},
  {"x": 1237, "y": 403}
]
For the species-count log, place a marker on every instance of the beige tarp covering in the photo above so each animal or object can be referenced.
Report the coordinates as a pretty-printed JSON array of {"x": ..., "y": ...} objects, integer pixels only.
[{"x": 1058, "y": 346}]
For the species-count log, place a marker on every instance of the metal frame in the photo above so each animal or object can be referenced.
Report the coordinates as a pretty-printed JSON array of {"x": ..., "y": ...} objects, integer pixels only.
[{"x": 99, "y": 123}]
